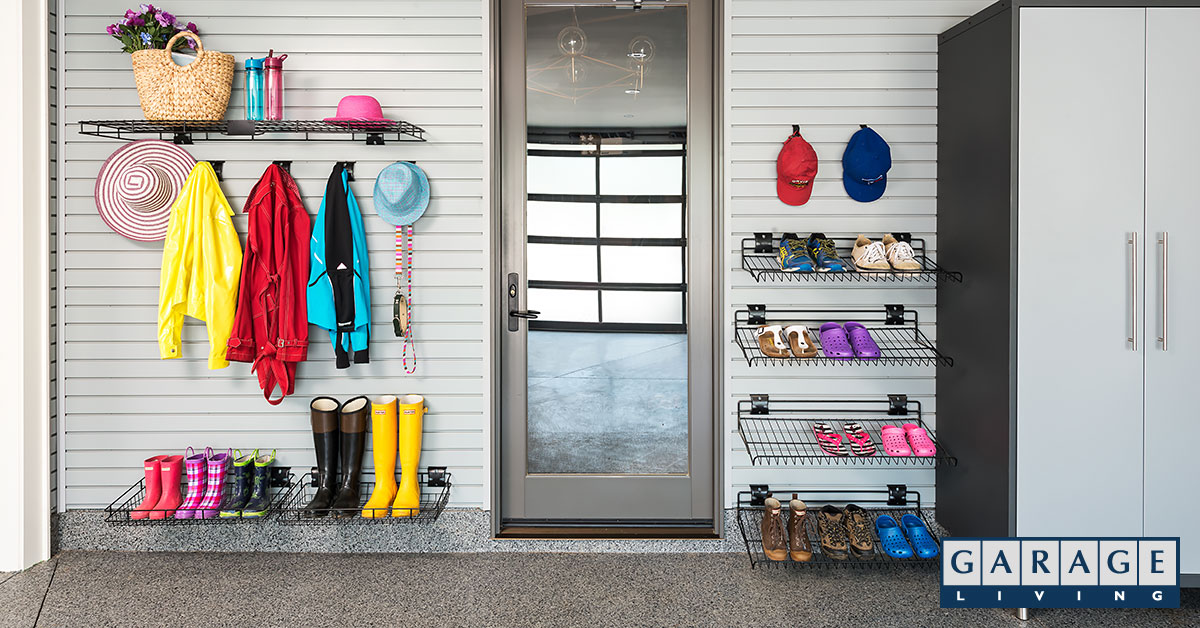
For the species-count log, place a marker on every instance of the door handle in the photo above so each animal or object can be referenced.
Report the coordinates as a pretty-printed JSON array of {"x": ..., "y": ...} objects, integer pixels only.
[
  {"x": 1132, "y": 340},
  {"x": 515, "y": 313},
  {"x": 1163, "y": 337}
]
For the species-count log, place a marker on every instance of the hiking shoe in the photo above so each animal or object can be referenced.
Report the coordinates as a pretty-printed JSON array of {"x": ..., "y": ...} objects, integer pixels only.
[
  {"x": 794, "y": 257},
  {"x": 899, "y": 254},
  {"x": 858, "y": 529},
  {"x": 774, "y": 541},
  {"x": 868, "y": 255},
  {"x": 797, "y": 529},
  {"x": 824, "y": 252},
  {"x": 832, "y": 532}
]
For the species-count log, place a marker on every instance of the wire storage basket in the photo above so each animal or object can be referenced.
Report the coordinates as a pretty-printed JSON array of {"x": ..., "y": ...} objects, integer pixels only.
[
  {"x": 123, "y": 511},
  {"x": 434, "y": 484}
]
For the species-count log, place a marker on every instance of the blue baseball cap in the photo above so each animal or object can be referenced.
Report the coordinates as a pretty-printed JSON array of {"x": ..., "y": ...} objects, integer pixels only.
[{"x": 865, "y": 164}]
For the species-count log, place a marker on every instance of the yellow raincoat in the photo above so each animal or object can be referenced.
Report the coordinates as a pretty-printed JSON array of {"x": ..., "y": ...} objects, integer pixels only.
[{"x": 202, "y": 263}]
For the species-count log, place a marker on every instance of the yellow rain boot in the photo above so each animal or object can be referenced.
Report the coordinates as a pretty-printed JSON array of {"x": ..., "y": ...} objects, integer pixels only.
[
  {"x": 383, "y": 429},
  {"x": 408, "y": 499}
]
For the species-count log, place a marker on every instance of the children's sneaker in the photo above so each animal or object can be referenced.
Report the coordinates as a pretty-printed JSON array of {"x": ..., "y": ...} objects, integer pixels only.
[
  {"x": 900, "y": 254},
  {"x": 793, "y": 256},
  {"x": 868, "y": 255},
  {"x": 823, "y": 251}
]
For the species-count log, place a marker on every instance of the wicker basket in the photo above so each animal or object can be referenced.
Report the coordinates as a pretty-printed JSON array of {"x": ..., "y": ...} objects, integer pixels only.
[{"x": 196, "y": 91}]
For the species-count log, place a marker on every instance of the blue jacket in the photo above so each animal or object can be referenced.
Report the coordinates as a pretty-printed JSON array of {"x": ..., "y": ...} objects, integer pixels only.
[{"x": 339, "y": 289}]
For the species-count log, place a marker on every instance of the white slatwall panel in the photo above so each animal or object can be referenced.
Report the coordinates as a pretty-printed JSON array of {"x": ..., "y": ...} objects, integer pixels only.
[
  {"x": 425, "y": 61},
  {"x": 828, "y": 65},
  {"x": 53, "y": 192}
]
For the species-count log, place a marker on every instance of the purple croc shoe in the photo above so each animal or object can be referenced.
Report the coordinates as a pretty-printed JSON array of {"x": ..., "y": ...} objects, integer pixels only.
[
  {"x": 834, "y": 342},
  {"x": 862, "y": 342}
]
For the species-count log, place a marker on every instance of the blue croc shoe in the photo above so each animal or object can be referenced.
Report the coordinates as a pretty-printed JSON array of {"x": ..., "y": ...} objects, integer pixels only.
[
  {"x": 794, "y": 257},
  {"x": 919, "y": 535},
  {"x": 891, "y": 538},
  {"x": 825, "y": 253}
]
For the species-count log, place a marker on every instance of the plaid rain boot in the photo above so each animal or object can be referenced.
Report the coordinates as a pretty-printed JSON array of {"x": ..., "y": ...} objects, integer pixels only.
[
  {"x": 210, "y": 504},
  {"x": 197, "y": 482}
]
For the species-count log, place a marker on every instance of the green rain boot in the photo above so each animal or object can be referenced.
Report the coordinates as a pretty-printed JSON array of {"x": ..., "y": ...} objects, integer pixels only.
[
  {"x": 242, "y": 470},
  {"x": 260, "y": 493}
]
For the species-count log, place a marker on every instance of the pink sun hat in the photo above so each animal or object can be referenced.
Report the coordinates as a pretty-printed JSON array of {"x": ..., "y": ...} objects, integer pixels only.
[
  {"x": 358, "y": 109},
  {"x": 137, "y": 185}
]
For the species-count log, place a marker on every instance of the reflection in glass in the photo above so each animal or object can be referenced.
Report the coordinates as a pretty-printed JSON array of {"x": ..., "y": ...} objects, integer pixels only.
[{"x": 606, "y": 112}]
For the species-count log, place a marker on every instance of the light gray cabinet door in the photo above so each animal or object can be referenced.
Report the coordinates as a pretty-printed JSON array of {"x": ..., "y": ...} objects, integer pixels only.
[
  {"x": 1080, "y": 202},
  {"x": 1172, "y": 339}
]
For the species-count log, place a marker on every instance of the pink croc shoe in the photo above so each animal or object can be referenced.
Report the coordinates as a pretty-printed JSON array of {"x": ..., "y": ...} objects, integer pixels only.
[
  {"x": 922, "y": 445},
  {"x": 894, "y": 442}
]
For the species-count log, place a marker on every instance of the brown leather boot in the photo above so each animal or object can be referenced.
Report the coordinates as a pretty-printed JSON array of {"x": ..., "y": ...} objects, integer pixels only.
[
  {"x": 797, "y": 531},
  {"x": 858, "y": 528},
  {"x": 774, "y": 541},
  {"x": 832, "y": 532}
]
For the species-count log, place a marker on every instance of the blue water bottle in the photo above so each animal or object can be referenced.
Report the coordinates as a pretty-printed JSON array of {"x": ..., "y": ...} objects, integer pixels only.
[{"x": 254, "y": 89}]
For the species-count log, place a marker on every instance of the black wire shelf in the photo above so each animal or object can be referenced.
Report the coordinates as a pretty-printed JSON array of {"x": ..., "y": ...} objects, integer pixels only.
[
  {"x": 780, "y": 431},
  {"x": 120, "y": 512},
  {"x": 896, "y": 500},
  {"x": 435, "y": 494},
  {"x": 760, "y": 258},
  {"x": 190, "y": 131},
  {"x": 895, "y": 329}
]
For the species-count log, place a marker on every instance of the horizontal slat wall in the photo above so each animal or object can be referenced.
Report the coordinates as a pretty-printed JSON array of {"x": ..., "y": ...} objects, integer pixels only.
[
  {"x": 828, "y": 65},
  {"x": 425, "y": 61}
]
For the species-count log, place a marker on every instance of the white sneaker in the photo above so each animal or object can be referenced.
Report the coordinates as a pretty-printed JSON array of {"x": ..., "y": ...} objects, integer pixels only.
[{"x": 900, "y": 254}]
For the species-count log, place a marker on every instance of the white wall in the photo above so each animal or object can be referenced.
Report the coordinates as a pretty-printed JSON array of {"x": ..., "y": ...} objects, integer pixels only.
[
  {"x": 829, "y": 65},
  {"x": 120, "y": 403}
]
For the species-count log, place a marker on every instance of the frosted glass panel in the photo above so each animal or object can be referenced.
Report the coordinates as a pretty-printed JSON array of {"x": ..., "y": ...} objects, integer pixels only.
[
  {"x": 565, "y": 305},
  {"x": 561, "y": 175},
  {"x": 642, "y": 264},
  {"x": 561, "y": 262},
  {"x": 639, "y": 220},
  {"x": 643, "y": 307},
  {"x": 561, "y": 219},
  {"x": 641, "y": 175}
]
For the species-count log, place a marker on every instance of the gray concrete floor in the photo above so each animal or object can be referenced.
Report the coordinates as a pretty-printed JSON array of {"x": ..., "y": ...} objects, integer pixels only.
[
  {"x": 607, "y": 403},
  {"x": 530, "y": 589}
]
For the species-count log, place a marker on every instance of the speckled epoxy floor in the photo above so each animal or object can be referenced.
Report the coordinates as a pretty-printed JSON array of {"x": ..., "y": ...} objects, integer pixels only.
[{"x": 512, "y": 589}]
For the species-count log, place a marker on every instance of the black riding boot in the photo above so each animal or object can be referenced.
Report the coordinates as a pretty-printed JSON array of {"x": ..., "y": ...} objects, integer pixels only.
[
  {"x": 326, "y": 437},
  {"x": 354, "y": 441}
]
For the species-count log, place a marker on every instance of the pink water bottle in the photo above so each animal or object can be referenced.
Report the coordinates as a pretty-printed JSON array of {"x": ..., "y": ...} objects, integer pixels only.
[{"x": 273, "y": 86}]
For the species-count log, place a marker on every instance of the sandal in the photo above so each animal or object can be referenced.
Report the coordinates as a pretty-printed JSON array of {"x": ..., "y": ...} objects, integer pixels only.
[
  {"x": 891, "y": 539},
  {"x": 894, "y": 442},
  {"x": 835, "y": 343},
  {"x": 922, "y": 445},
  {"x": 861, "y": 341},
  {"x": 919, "y": 536},
  {"x": 860, "y": 440},
  {"x": 794, "y": 335},
  {"x": 770, "y": 341},
  {"x": 829, "y": 440}
]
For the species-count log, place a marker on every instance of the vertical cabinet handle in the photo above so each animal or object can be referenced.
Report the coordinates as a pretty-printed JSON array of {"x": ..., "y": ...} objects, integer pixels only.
[
  {"x": 1163, "y": 337},
  {"x": 1133, "y": 300}
]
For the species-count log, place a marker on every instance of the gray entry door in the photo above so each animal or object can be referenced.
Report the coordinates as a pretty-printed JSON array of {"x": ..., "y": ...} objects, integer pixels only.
[{"x": 608, "y": 244}]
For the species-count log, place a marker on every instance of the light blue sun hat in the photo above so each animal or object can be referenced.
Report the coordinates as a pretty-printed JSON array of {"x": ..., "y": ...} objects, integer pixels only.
[{"x": 401, "y": 193}]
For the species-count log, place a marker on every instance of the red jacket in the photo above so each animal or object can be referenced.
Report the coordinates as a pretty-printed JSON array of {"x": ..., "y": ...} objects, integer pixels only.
[{"x": 270, "y": 328}]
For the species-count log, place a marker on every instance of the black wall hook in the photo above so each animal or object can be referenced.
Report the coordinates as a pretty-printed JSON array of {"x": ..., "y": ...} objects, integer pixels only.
[
  {"x": 218, "y": 167},
  {"x": 862, "y": 126},
  {"x": 349, "y": 167},
  {"x": 795, "y": 129},
  {"x": 286, "y": 165}
]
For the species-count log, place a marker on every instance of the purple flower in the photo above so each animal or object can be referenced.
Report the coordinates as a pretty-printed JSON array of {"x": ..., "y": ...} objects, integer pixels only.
[
  {"x": 145, "y": 38},
  {"x": 165, "y": 19},
  {"x": 111, "y": 30},
  {"x": 137, "y": 21},
  {"x": 130, "y": 14},
  {"x": 191, "y": 44},
  {"x": 191, "y": 26},
  {"x": 147, "y": 8}
]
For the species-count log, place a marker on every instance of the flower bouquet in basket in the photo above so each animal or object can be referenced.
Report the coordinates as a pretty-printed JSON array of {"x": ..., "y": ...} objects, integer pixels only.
[{"x": 168, "y": 91}]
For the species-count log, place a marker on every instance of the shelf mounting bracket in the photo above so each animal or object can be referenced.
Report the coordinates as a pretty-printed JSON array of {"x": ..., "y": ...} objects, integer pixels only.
[
  {"x": 895, "y": 314},
  {"x": 760, "y": 404},
  {"x": 436, "y": 476},
  {"x": 897, "y": 494},
  {"x": 762, "y": 242},
  {"x": 759, "y": 494},
  {"x": 758, "y": 314},
  {"x": 898, "y": 405}
]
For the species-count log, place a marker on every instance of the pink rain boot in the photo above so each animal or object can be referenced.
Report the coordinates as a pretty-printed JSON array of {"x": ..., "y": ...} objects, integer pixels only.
[
  {"x": 211, "y": 504},
  {"x": 172, "y": 470},
  {"x": 197, "y": 482},
  {"x": 153, "y": 490}
]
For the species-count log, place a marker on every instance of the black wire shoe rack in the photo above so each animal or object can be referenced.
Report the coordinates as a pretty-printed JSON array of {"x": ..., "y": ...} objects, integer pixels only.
[
  {"x": 121, "y": 511},
  {"x": 435, "y": 493},
  {"x": 760, "y": 258},
  {"x": 896, "y": 500},
  {"x": 780, "y": 432},
  {"x": 189, "y": 131},
  {"x": 895, "y": 329}
]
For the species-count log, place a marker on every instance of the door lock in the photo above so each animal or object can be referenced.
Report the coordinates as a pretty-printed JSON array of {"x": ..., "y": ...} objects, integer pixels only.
[{"x": 515, "y": 314}]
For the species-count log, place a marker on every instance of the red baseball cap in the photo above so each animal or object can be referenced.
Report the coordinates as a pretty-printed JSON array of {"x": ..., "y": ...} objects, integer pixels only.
[{"x": 796, "y": 168}]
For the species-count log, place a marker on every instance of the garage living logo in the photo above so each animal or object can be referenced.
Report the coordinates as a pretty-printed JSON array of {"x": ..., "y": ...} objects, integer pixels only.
[{"x": 1060, "y": 573}]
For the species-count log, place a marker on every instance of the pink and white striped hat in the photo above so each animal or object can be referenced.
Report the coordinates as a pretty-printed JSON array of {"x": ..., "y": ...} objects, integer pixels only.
[{"x": 137, "y": 185}]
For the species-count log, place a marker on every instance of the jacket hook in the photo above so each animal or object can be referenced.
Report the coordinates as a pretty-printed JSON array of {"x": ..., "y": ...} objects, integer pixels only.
[
  {"x": 349, "y": 167},
  {"x": 218, "y": 167},
  {"x": 286, "y": 165}
]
